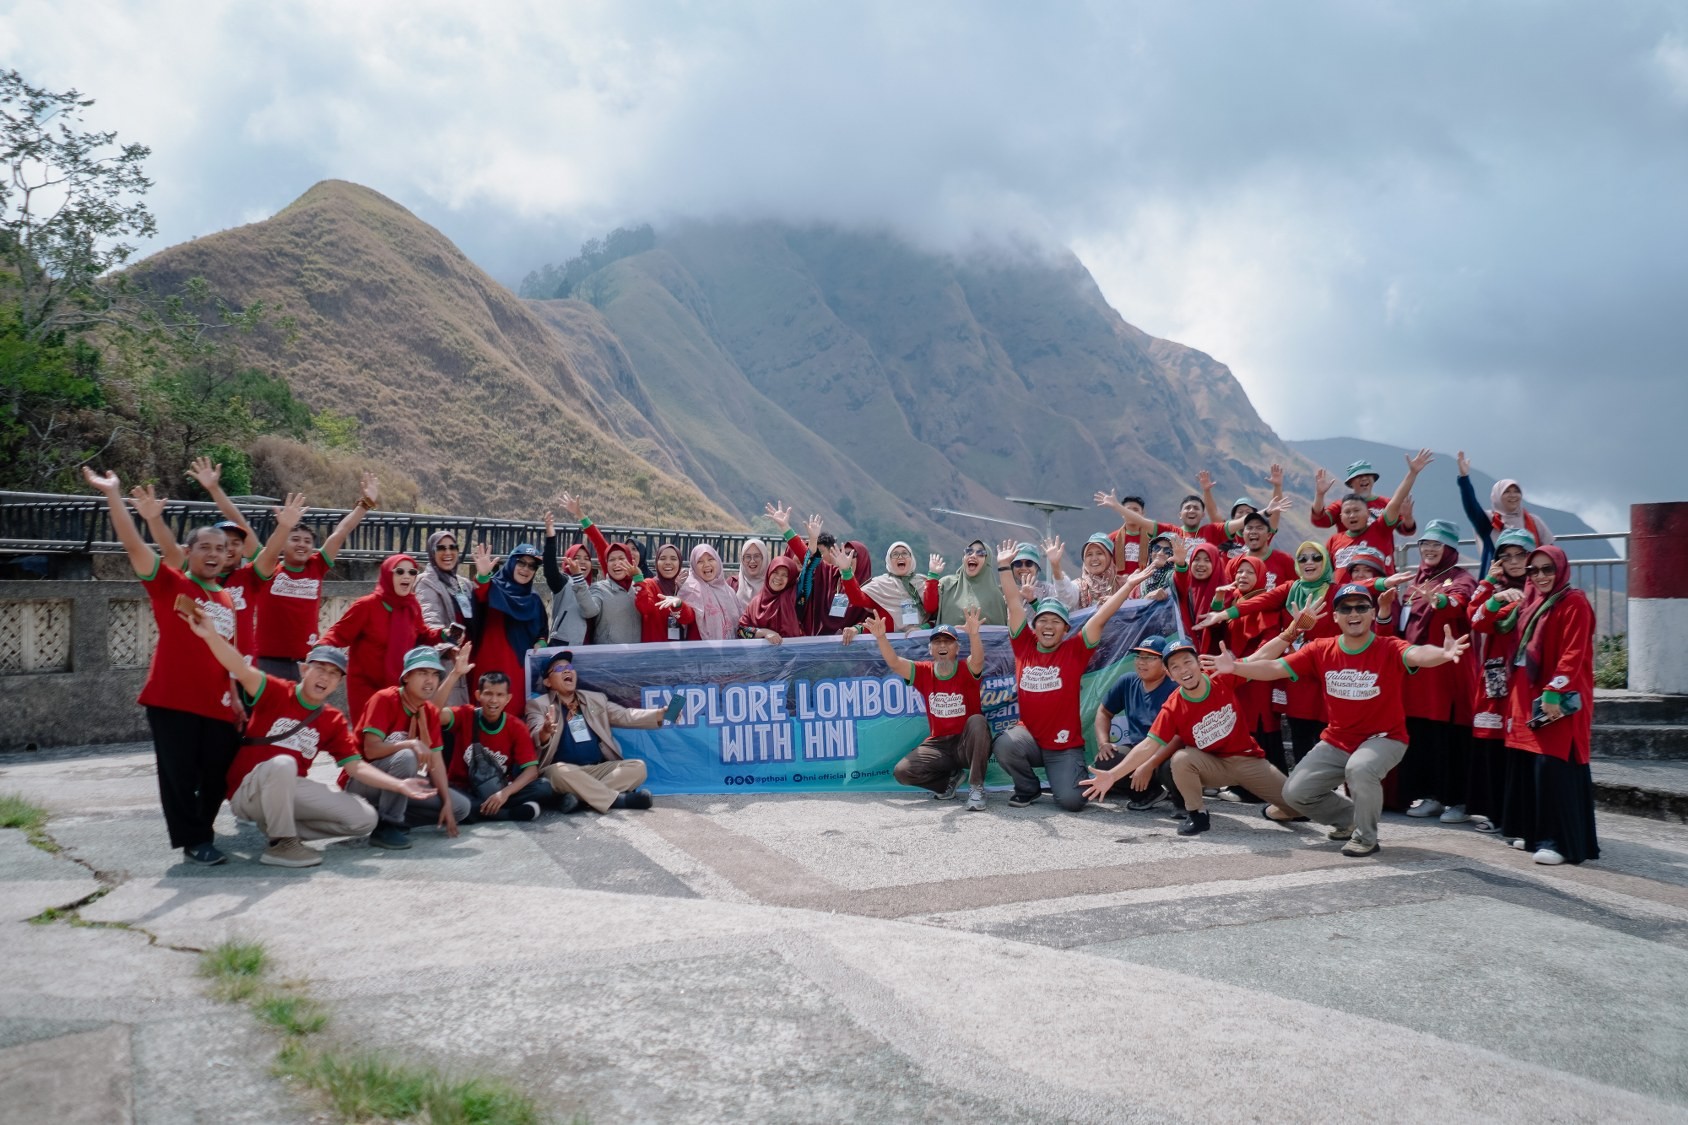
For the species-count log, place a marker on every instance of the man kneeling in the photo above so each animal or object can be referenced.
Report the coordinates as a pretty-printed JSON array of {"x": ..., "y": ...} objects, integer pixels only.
[
  {"x": 287, "y": 725},
  {"x": 1200, "y": 728},
  {"x": 579, "y": 754},
  {"x": 959, "y": 738}
]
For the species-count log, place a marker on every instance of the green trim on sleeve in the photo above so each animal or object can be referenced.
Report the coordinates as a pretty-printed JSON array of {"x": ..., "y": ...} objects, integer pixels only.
[
  {"x": 1441, "y": 601},
  {"x": 252, "y": 700},
  {"x": 377, "y": 731},
  {"x": 326, "y": 557},
  {"x": 448, "y": 718},
  {"x": 1494, "y": 605},
  {"x": 585, "y": 522},
  {"x": 1388, "y": 521},
  {"x": 157, "y": 562},
  {"x": 348, "y": 758},
  {"x": 1012, "y": 633},
  {"x": 1233, "y": 613},
  {"x": 788, "y": 536},
  {"x": 1085, "y": 633},
  {"x": 525, "y": 765},
  {"x": 1159, "y": 741},
  {"x": 1552, "y": 697},
  {"x": 846, "y": 574},
  {"x": 482, "y": 579},
  {"x": 1284, "y": 664}
]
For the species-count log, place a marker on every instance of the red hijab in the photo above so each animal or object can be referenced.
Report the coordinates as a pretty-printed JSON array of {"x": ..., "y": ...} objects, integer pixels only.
[
  {"x": 1537, "y": 606},
  {"x": 591, "y": 563},
  {"x": 627, "y": 552},
  {"x": 1453, "y": 579},
  {"x": 404, "y": 623},
  {"x": 1199, "y": 600},
  {"x": 776, "y": 610}
]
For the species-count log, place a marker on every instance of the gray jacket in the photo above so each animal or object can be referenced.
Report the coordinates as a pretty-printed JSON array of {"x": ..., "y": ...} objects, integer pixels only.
[
  {"x": 612, "y": 608},
  {"x": 568, "y": 613},
  {"x": 440, "y": 608}
]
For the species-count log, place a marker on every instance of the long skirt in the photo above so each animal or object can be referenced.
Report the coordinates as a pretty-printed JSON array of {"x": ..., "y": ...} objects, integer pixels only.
[
  {"x": 1518, "y": 799},
  {"x": 1485, "y": 786},
  {"x": 1564, "y": 810},
  {"x": 1438, "y": 758}
]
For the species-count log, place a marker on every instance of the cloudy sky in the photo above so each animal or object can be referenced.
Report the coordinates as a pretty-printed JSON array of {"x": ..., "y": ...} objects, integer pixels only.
[{"x": 1455, "y": 224}]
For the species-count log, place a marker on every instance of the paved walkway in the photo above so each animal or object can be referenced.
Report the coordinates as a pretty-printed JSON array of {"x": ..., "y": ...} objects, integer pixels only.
[{"x": 863, "y": 958}]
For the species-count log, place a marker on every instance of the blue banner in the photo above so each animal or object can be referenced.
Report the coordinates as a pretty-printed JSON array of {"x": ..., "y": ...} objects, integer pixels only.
[{"x": 812, "y": 713}]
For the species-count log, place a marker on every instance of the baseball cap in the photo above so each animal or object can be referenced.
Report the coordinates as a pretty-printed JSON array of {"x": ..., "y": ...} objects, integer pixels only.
[
  {"x": 1176, "y": 644},
  {"x": 564, "y": 657},
  {"x": 1244, "y": 502},
  {"x": 525, "y": 550},
  {"x": 1256, "y": 517},
  {"x": 1150, "y": 645},
  {"x": 1359, "y": 469},
  {"x": 422, "y": 658},
  {"x": 1353, "y": 590},
  {"x": 944, "y": 631},
  {"x": 327, "y": 654},
  {"x": 1371, "y": 556},
  {"x": 231, "y": 527}
]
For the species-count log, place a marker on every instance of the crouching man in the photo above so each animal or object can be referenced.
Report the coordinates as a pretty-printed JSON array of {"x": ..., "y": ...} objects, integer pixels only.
[
  {"x": 960, "y": 739},
  {"x": 288, "y": 724},
  {"x": 401, "y": 738},
  {"x": 494, "y": 762},
  {"x": 578, "y": 754}
]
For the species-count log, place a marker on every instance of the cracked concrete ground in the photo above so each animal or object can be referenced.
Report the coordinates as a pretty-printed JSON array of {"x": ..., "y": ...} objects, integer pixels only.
[{"x": 877, "y": 957}]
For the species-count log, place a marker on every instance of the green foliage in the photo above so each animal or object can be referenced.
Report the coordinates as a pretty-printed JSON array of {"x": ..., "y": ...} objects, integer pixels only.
[
  {"x": 364, "y": 1086},
  {"x": 574, "y": 278},
  {"x": 1611, "y": 662},
  {"x": 235, "y": 968},
  {"x": 20, "y": 812},
  {"x": 333, "y": 430},
  {"x": 291, "y": 1015}
]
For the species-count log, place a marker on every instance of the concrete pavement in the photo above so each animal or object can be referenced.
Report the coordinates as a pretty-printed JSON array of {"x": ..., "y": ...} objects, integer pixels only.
[{"x": 868, "y": 957}]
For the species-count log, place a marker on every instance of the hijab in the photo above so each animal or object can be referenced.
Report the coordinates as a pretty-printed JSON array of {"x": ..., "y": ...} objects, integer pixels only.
[
  {"x": 889, "y": 591},
  {"x": 1199, "y": 598},
  {"x": 524, "y": 613},
  {"x": 1523, "y": 519},
  {"x": 1094, "y": 589},
  {"x": 715, "y": 602},
  {"x": 591, "y": 563},
  {"x": 449, "y": 577},
  {"x": 958, "y": 591},
  {"x": 776, "y": 610},
  {"x": 1454, "y": 580},
  {"x": 1162, "y": 576},
  {"x": 1303, "y": 593},
  {"x": 626, "y": 551},
  {"x": 668, "y": 586},
  {"x": 404, "y": 622},
  {"x": 1537, "y": 606},
  {"x": 749, "y": 587}
]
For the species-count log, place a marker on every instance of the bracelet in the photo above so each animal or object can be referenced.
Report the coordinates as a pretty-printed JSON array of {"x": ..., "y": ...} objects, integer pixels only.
[
  {"x": 366, "y": 503},
  {"x": 1000, "y": 569}
]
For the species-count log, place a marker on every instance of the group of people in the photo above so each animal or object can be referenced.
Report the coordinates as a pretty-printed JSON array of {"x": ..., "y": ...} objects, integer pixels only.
[{"x": 1427, "y": 690}]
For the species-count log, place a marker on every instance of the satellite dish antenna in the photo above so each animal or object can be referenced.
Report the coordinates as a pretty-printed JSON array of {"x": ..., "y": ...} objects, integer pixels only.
[{"x": 1048, "y": 508}]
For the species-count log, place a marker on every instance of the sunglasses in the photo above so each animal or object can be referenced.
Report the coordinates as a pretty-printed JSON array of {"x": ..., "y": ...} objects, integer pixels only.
[
  {"x": 1543, "y": 569},
  {"x": 1309, "y": 558},
  {"x": 447, "y": 546},
  {"x": 527, "y": 562},
  {"x": 978, "y": 551},
  {"x": 1350, "y": 608},
  {"x": 1024, "y": 562},
  {"x": 405, "y": 570}
]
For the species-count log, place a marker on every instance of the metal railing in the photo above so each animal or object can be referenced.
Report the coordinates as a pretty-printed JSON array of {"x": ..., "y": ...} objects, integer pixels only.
[
  {"x": 1605, "y": 581},
  {"x": 48, "y": 523}
]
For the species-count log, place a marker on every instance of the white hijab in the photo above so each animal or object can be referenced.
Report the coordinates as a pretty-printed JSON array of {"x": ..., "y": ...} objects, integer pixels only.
[{"x": 749, "y": 587}]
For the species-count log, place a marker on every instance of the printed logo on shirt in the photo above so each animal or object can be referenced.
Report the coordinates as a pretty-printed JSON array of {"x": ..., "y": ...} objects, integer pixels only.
[
  {"x": 1346, "y": 555},
  {"x": 221, "y": 616},
  {"x": 1271, "y": 580},
  {"x": 1214, "y": 726},
  {"x": 1133, "y": 551},
  {"x": 1280, "y": 697},
  {"x": 304, "y": 741},
  {"x": 1063, "y": 736},
  {"x": 1040, "y": 678},
  {"x": 1558, "y": 683},
  {"x": 237, "y": 595},
  {"x": 284, "y": 585},
  {"x": 946, "y": 705},
  {"x": 1351, "y": 683},
  {"x": 1488, "y": 720}
]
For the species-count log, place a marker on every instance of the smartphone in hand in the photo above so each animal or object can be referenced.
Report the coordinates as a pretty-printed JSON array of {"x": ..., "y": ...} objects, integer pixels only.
[{"x": 676, "y": 707}]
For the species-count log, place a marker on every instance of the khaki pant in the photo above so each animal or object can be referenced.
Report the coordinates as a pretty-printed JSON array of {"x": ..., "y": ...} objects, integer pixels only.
[
  {"x": 1194, "y": 770},
  {"x": 1311, "y": 789},
  {"x": 285, "y": 804},
  {"x": 597, "y": 785}
]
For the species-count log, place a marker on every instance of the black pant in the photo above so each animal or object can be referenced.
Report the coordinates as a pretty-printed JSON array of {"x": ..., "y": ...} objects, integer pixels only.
[
  {"x": 1304, "y": 734},
  {"x": 1436, "y": 762},
  {"x": 194, "y": 754}
]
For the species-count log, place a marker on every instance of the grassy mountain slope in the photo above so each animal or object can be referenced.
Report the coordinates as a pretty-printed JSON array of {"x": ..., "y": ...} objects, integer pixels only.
[{"x": 453, "y": 378}]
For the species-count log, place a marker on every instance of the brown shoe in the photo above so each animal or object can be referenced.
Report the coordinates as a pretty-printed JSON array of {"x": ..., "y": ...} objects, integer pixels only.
[{"x": 289, "y": 852}]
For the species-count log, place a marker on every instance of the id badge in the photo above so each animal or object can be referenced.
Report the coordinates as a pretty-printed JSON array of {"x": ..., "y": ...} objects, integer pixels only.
[
  {"x": 911, "y": 613},
  {"x": 1280, "y": 697},
  {"x": 673, "y": 628},
  {"x": 465, "y": 605},
  {"x": 840, "y": 606},
  {"x": 577, "y": 729}
]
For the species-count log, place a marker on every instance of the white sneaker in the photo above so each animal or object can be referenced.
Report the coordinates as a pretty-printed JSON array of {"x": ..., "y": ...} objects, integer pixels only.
[
  {"x": 1515, "y": 842},
  {"x": 1426, "y": 806},
  {"x": 1484, "y": 824},
  {"x": 976, "y": 799},
  {"x": 1549, "y": 857},
  {"x": 1454, "y": 814}
]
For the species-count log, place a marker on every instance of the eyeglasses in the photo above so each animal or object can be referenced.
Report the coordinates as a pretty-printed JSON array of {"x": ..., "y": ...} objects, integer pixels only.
[
  {"x": 979, "y": 551},
  {"x": 401, "y": 571},
  {"x": 1309, "y": 558},
  {"x": 1543, "y": 569},
  {"x": 902, "y": 554},
  {"x": 1514, "y": 554},
  {"x": 1351, "y": 608},
  {"x": 527, "y": 562}
]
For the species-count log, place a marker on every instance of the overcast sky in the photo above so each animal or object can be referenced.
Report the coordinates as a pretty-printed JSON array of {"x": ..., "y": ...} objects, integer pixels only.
[{"x": 1454, "y": 224}]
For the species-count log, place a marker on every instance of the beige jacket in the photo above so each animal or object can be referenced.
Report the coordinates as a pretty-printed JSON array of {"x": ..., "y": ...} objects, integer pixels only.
[{"x": 600, "y": 714}]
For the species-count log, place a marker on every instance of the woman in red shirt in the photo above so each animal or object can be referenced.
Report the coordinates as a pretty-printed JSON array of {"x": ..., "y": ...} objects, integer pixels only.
[
  {"x": 663, "y": 614},
  {"x": 510, "y": 618},
  {"x": 1438, "y": 700},
  {"x": 1493, "y": 758},
  {"x": 378, "y": 629}
]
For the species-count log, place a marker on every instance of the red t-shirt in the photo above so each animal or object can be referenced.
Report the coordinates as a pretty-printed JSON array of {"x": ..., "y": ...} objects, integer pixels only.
[
  {"x": 1133, "y": 549},
  {"x": 184, "y": 676},
  {"x": 1207, "y": 533},
  {"x": 1280, "y": 571},
  {"x": 387, "y": 716},
  {"x": 509, "y": 742},
  {"x": 288, "y": 603},
  {"x": 1047, "y": 684},
  {"x": 276, "y": 708},
  {"x": 949, "y": 703},
  {"x": 1213, "y": 722},
  {"x": 1364, "y": 691},
  {"x": 243, "y": 584},
  {"x": 1341, "y": 545}
]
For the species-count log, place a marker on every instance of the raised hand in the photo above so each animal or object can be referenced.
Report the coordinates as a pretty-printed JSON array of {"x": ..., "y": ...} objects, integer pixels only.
[
  {"x": 147, "y": 503},
  {"x": 1107, "y": 500},
  {"x": 1418, "y": 463},
  {"x": 1053, "y": 551},
  {"x": 371, "y": 486},
  {"x": 483, "y": 558},
  {"x": 1277, "y": 504},
  {"x": 1223, "y": 664},
  {"x": 1323, "y": 482},
  {"x": 972, "y": 619},
  {"x": 465, "y": 657},
  {"x": 1028, "y": 588},
  {"x": 1464, "y": 463},
  {"x": 934, "y": 564},
  {"x": 106, "y": 483},
  {"x": 1310, "y": 615},
  {"x": 834, "y": 557},
  {"x": 290, "y": 513},
  {"x": 1454, "y": 646},
  {"x": 780, "y": 516},
  {"x": 1275, "y": 476},
  {"x": 1005, "y": 552},
  {"x": 1204, "y": 479},
  {"x": 550, "y": 525},
  {"x": 1407, "y": 511},
  {"x": 813, "y": 526},
  {"x": 208, "y": 475},
  {"x": 571, "y": 505},
  {"x": 1399, "y": 578},
  {"x": 1180, "y": 551},
  {"x": 875, "y": 624}
]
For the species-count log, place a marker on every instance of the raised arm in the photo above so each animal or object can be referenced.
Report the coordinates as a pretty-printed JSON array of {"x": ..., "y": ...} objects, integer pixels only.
[
  {"x": 970, "y": 623},
  {"x": 1205, "y": 480},
  {"x": 1415, "y": 466},
  {"x": 371, "y": 487},
  {"x": 1093, "y": 627},
  {"x": 1431, "y": 656},
  {"x": 1475, "y": 512},
  {"x": 150, "y": 506},
  {"x": 1225, "y": 664},
  {"x": 287, "y": 517},
  {"x": 210, "y": 478},
  {"x": 142, "y": 557},
  {"x": 899, "y": 667},
  {"x": 249, "y": 678},
  {"x": 460, "y": 666},
  {"x": 554, "y": 578},
  {"x": 1005, "y": 578},
  {"x": 1131, "y": 519},
  {"x": 1323, "y": 482},
  {"x": 1276, "y": 476}
]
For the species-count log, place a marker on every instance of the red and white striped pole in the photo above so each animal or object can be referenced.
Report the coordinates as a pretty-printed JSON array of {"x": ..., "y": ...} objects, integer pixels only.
[{"x": 1658, "y": 598}]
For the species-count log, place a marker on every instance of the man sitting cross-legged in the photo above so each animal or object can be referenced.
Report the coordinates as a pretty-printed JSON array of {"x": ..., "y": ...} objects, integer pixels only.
[
  {"x": 578, "y": 754},
  {"x": 1363, "y": 676},
  {"x": 1201, "y": 728},
  {"x": 287, "y": 725},
  {"x": 494, "y": 762},
  {"x": 960, "y": 738}
]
